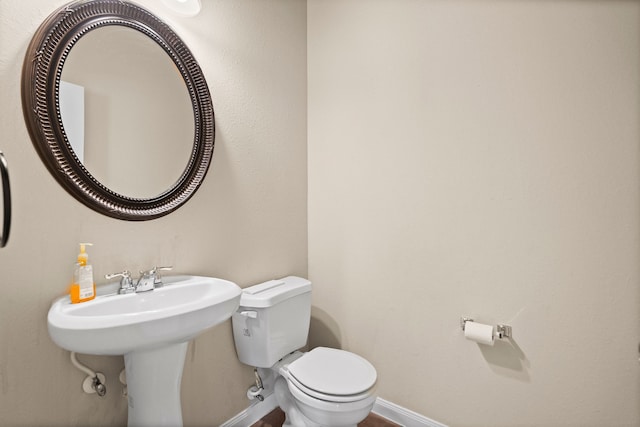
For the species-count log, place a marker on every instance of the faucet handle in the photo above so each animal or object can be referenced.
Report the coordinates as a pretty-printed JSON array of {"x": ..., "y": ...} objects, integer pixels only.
[
  {"x": 126, "y": 284},
  {"x": 158, "y": 280},
  {"x": 153, "y": 273},
  {"x": 125, "y": 274}
]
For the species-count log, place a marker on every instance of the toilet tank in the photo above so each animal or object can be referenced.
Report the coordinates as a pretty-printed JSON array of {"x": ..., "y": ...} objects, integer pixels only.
[{"x": 272, "y": 320}]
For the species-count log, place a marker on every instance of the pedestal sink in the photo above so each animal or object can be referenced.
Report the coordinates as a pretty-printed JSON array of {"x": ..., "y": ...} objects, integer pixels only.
[{"x": 151, "y": 329}]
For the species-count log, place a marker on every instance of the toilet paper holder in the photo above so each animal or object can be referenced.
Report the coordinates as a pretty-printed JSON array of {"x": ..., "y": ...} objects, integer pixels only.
[{"x": 502, "y": 331}]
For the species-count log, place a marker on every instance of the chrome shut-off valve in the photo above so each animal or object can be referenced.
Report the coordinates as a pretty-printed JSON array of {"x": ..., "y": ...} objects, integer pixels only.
[{"x": 255, "y": 391}]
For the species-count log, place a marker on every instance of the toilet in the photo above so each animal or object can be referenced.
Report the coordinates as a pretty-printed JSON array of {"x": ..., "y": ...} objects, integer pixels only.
[{"x": 322, "y": 387}]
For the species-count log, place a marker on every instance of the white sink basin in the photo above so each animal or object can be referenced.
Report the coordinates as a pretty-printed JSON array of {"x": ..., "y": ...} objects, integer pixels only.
[
  {"x": 151, "y": 329},
  {"x": 117, "y": 324}
]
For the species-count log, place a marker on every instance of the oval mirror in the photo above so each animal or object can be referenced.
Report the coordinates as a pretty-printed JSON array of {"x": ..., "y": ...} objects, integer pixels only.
[{"x": 118, "y": 109}]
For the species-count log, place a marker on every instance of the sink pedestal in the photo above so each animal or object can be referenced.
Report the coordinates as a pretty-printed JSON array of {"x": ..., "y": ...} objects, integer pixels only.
[{"x": 153, "y": 385}]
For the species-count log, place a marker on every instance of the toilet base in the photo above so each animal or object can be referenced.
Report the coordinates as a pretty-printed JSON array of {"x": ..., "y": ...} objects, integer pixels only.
[
  {"x": 296, "y": 412},
  {"x": 293, "y": 416}
]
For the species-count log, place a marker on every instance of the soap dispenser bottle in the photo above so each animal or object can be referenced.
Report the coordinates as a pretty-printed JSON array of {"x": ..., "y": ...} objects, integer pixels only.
[{"x": 83, "y": 287}]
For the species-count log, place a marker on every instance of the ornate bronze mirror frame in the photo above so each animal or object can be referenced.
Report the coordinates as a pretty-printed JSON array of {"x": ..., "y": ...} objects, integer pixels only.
[{"x": 42, "y": 69}]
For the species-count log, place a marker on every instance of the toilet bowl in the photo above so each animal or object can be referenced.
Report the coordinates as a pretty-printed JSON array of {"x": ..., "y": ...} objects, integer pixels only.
[
  {"x": 322, "y": 387},
  {"x": 327, "y": 387}
]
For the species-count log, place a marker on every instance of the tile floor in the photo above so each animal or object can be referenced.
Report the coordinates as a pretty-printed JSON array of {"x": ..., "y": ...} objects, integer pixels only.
[{"x": 276, "y": 417}]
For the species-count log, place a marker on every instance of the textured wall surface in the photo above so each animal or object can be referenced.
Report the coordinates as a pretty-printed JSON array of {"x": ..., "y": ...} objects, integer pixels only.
[
  {"x": 480, "y": 158},
  {"x": 473, "y": 158},
  {"x": 247, "y": 223}
]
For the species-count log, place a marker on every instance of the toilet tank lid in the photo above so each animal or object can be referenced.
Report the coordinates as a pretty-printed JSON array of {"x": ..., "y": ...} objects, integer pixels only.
[{"x": 272, "y": 292}]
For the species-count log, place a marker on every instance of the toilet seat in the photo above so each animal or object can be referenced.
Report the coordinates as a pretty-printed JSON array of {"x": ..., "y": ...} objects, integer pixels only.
[
  {"x": 331, "y": 406},
  {"x": 331, "y": 375}
]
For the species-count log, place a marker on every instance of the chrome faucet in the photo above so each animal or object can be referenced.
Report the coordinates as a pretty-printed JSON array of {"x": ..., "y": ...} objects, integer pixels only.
[{"x": 148, "y": 280}]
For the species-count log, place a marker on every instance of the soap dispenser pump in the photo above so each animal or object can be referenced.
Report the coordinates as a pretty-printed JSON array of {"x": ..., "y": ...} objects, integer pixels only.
[{"x": 83, "y": 287}]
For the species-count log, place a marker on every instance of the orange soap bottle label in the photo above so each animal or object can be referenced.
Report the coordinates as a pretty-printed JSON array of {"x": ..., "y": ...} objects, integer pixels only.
[{"x": 75, "y": 294}]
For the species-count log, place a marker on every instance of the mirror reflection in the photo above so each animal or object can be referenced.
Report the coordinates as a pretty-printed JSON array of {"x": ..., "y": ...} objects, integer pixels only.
[{"x": 126, "y": 111}]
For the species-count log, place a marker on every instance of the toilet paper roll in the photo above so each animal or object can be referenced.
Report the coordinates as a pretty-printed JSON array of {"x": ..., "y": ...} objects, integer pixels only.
[{"x": 478, "y": 332}]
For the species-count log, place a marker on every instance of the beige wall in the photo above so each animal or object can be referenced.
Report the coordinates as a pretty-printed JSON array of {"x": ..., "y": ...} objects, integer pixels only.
[
  {"x": 465, "y": 158},
  {"x": 247, "y": 223},
  {"x": 480, "y": 158}
]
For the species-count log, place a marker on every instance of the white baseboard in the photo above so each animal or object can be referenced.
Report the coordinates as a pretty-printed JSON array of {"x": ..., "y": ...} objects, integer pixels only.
[
  {"x": 253, "y": 413},
  {"x": 402, "y": 416},
  {"x": 388, "y": 410}
]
